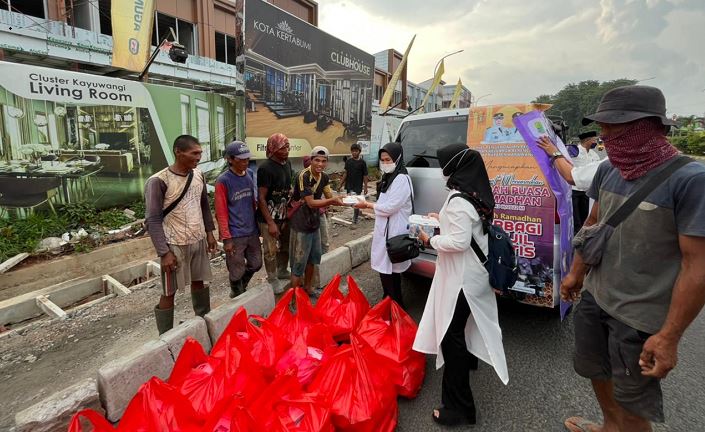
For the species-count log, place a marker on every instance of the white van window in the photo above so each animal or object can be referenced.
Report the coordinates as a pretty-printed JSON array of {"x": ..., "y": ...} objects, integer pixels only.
[{"x": 421, "y": 138}]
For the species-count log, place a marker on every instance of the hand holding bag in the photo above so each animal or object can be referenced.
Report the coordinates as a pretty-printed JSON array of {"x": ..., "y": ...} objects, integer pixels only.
[{"x": 591, "y": 241}]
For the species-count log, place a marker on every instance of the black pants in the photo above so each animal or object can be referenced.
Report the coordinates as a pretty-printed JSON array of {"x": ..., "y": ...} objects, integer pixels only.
[
  {"x": 456, "y": 394},
  {"x": 391, "y": 284},
  {"x": 581, "y": 207}
]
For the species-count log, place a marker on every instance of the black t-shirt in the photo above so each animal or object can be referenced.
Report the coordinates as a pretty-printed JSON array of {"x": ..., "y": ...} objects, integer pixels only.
[
  {"x": 277, "y": 179},
  {"x": 307, "y": 219},
  {"x": 356, "y": 170}
]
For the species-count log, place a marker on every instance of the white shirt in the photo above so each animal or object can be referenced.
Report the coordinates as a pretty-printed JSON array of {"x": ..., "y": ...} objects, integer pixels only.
[
  {"x": 458, "y": 269},
  {"x": 583, "y": 159},
  {"x": 394, "y": 206}
]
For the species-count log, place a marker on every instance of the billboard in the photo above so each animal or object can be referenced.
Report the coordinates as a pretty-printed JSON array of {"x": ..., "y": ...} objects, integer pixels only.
[
  {"x": 525, "y": 205},
  {"x": 69, "y": 137},
  {"x": 303, "y": 82}
]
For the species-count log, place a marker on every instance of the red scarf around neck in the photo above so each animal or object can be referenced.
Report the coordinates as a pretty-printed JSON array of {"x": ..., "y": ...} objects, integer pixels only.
[{"x": 639, "y": 148}]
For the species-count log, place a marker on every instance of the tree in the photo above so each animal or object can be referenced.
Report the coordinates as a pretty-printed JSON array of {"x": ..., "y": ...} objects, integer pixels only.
[{"x": 575, "y": 101}]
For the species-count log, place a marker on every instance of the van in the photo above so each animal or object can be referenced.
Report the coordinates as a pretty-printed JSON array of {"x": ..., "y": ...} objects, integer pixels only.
[{"x": 421, "y": 136}]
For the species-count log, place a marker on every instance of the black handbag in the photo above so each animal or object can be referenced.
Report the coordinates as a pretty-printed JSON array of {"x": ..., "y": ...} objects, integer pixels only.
[{"x": 402, "y": 247}]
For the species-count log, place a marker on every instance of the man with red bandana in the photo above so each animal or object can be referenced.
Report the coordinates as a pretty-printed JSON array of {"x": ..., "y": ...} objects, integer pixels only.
[
  {"x": 650, "y": 285},
  {"x": 274, "y": 189}
]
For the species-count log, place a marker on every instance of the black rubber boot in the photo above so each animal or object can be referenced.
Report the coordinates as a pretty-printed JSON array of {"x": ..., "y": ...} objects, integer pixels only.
[
  {"x": 246, "y": 278},
  {"x": 236, "y": 288},
  {"x": 164, "y": 318},
  {"x": 201, "y": 300}
]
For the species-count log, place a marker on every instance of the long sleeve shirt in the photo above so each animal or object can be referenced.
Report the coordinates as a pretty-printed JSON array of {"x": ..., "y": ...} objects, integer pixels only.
[{"x": 190, "y": 220}]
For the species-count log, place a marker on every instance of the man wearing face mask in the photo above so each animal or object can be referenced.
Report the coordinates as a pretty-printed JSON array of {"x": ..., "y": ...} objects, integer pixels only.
[
  {"x": 650, "y": 283},
  {"x": 392, "y": 211}
]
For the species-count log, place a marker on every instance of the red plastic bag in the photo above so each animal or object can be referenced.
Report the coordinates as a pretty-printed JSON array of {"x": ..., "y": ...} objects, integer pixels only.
[
  {"x": 94, "y": 418},
  {"x": 293, "y": 324},
  {"x": 342, "y": 314},
  {"x": 283, "y": 407},
  {"x": 264, "y": 341},
  {"x": 231, "y": 416},
  {"x": 390, "y": 333},
  {"x": 157, "y": 407},
  {"x": 308, "y": 352},
  {"x": 357, "y": 390}
]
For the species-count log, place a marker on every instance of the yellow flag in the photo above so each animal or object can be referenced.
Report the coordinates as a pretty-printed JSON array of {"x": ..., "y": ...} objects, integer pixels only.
[
  {"x": 436, "y": 81},
  {"x": 132, "y": 22},
  {"x": 386, "y": 99},
  {"x": 456, "y": 95}
]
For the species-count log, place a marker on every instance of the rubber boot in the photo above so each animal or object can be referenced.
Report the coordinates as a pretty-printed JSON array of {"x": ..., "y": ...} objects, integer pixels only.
[
  {"x": 282, "y": 265},
  {"x": 236, "y": 288},
  {"x": 164, "y": 318},
  {"x": 246, "y": 278},
  {"x": 201, "y": 300}
]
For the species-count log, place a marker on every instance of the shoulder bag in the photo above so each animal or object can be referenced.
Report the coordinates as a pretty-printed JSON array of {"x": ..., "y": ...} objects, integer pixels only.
[
  {"x": 402, "y": 247},
  {"x": 176, "y": 202}
]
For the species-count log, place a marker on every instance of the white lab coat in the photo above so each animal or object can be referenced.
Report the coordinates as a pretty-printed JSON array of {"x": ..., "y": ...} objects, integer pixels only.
[
  {"x": 393, "y": 205},
  {"x": 458, "y": 268},
  {"x": 585, "y": 158}
]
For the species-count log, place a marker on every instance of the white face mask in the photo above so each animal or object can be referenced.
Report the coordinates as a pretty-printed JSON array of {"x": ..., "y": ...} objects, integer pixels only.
[{"x": 387, "y": 168}]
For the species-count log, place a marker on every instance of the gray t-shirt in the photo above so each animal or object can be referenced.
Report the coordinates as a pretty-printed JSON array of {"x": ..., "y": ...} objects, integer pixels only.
[{"x": 642, "y": 260}]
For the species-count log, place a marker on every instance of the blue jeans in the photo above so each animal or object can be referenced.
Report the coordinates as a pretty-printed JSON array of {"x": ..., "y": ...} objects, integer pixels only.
[{"x": 304, "y": 248}]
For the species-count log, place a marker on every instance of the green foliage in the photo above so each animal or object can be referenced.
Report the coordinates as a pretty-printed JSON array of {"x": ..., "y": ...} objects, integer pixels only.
[
  {"x": 575, "y": 101},
  {"x": 139, "y": 208},
  {"x": 690, "y": 143},
  {"x": 79, "y": 214},
  {"x": 111, "y": 219},
  {"x": 23, "y": 235}
]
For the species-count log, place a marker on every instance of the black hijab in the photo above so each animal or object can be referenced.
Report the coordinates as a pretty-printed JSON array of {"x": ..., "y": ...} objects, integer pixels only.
[
  {"x": 394, "y": 150},
  {"x": 468, "y": 174}
]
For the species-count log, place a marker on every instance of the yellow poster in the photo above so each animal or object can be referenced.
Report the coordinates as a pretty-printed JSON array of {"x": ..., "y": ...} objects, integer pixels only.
[
  {"x": 132, "y": 22},
  {"x": 387, "y": 98}
]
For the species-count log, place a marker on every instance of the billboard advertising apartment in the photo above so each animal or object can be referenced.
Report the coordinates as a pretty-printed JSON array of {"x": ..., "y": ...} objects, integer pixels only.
[
  {"x": 303, "y": 82},
  {"x": 70, "y": 137}
]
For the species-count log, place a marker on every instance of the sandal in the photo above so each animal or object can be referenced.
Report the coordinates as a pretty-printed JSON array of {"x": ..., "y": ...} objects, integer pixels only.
[
  {"x": 448, "y": 417},
  {"x": 580, "y": 424}
]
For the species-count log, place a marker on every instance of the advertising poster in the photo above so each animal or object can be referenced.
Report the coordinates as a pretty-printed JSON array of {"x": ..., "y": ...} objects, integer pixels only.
[
  {"x": 304, "y": 83},
  {"x": 72, "y": 137},
  {"x": 525, "y": 205},
  {"x": 132, "y": 22}
]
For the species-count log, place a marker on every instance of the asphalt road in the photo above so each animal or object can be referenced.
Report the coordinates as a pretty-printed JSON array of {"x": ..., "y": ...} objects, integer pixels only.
[{"x": 543, "y": 389}]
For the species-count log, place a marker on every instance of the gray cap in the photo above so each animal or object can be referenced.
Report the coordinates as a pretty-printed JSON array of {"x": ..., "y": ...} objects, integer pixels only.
[
  {"x": 319, "y": 151},
  {"x": 628, "y": 103},
  {"x": 238, "y": 150}
]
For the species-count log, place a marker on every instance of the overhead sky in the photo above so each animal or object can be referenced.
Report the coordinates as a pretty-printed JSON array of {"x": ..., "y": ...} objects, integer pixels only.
[{"x": 516, "y": 50}]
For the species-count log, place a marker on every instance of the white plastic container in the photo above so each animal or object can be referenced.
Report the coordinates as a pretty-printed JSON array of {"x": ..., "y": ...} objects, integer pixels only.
[{"x": 420, "y": 222}]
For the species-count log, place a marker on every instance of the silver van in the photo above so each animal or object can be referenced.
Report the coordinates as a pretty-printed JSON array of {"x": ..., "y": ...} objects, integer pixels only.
[{"x": 421, "y": 135}]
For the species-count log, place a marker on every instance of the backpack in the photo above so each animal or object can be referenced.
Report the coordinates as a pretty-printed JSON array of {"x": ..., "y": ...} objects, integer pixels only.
[{"x": 501, "y": 262}]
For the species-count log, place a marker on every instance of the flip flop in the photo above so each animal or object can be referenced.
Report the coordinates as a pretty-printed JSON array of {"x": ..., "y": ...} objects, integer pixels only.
[{"x": 580, "y": 424}]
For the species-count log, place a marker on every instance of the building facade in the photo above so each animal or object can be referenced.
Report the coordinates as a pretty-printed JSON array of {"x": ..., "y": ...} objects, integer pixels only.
[
  {"x": 386, "y": 62},
  {"x": 465, "y": 96}
]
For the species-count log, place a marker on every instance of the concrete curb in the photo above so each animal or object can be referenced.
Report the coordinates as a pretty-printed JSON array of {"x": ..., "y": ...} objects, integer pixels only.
[
  {"x": 258, "y": 300},
  {"x": 119, "y": 380},
  {"x": 54, "y": 413},
  {"x": 360, "y": 250},
  {"x": 334, "y": 262},
  {"x": 195, "y": 328}
]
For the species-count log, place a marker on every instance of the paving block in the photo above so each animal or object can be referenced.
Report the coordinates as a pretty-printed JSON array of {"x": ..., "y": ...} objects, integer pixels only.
[
  {"x": 54, "y": 413},
  {"x": 194, "y": 327},
  {"x": 360, "y": 250},
  {"x": 257, "y": 300},
  {"x": 119, "y": 380},
  {"x": 334, "y": 262}
]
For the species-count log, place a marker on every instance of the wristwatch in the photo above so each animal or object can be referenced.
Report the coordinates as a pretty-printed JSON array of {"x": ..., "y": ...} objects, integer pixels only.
[{"x": 555, "y": 155}]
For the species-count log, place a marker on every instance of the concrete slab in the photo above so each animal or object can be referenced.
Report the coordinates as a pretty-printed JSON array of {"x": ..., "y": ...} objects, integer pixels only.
[
  {"x": 119, "y": 380},
  {"x": 360, "y": 250},
  {"x": 54, "y": 413},
  {"x": 334, "y": 262},
  {"x": 195, "y": 328},
  {"x": 257, "y": 300},
  {"x": 49, "y": 307},
  {"x": 115, "y": 286}
]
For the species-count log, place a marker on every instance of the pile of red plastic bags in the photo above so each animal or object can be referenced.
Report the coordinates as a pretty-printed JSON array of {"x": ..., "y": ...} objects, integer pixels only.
[{"x": 338, "y": 366}]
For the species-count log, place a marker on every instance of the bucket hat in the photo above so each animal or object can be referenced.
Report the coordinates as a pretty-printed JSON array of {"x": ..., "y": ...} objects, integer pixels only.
[{"x": 629, "y": 103}]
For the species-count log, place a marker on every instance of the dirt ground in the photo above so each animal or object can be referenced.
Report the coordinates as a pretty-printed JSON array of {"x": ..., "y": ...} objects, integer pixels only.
[{"x": 49, "y": 355}]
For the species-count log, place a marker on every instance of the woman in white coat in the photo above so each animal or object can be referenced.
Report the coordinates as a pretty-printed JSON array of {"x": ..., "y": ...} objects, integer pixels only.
[
  {"x": 460, "y": 322},
  {"x": 393, "y": 208}
]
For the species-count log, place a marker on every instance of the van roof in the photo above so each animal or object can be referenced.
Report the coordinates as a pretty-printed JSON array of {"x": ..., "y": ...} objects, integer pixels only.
[{"x": 438, "y": 114}]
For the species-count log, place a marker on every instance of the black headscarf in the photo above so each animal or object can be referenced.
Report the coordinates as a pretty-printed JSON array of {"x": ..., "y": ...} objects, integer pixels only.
[
  {"x": 394, "y": 150},
  {"x": 468, "y": 174}
]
